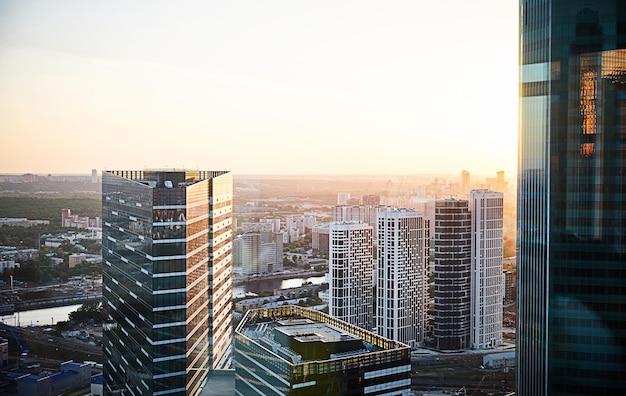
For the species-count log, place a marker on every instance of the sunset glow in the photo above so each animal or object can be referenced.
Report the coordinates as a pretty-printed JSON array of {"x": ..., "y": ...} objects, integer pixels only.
[{"x": 259, "y": 87}]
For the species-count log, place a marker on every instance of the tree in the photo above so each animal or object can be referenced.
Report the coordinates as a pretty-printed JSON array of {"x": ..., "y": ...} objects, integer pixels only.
[{"x": 89, "y": 310}]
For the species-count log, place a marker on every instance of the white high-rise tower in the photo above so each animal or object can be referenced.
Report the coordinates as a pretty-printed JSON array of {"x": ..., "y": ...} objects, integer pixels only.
[
  {"x": 402, "y": 276},
  {"x": 350, "y": 273},
  {"x": 487, "y": 277}
]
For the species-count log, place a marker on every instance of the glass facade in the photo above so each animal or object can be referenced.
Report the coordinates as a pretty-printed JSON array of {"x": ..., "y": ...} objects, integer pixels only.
[
  {"x": 165, "y": 240},
  {"x": 453, "y": 246},
  {"x": 571, "y": 271}
]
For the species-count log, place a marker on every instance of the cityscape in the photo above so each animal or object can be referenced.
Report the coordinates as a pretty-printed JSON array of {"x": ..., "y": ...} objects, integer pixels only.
[{"x": 312, "y": 262}]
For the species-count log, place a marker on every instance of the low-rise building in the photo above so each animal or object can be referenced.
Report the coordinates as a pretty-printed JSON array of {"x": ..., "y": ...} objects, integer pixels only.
[
  {"x": 499, "y": 360},
  {"x": 71, "y": 376}
]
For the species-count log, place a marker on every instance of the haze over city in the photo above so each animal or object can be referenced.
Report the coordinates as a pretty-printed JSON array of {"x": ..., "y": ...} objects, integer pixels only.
[{"x": 259, "y": 87}]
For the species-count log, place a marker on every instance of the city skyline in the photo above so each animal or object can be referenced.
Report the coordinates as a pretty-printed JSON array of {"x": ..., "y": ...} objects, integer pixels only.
[{"x": 284, "y": 87}]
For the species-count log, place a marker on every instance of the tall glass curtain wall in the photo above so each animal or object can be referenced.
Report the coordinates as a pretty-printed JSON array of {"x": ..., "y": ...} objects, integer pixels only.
[{"x": 572, "y": 198}]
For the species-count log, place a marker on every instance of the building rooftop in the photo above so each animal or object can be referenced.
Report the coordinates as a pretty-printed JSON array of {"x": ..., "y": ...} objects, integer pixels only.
[{"x": 299, "y": 335}]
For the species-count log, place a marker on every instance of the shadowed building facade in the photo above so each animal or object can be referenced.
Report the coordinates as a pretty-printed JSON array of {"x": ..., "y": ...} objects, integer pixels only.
[
  {"x": 571, "y": 268},
  {"x": 167, "y": 279}
]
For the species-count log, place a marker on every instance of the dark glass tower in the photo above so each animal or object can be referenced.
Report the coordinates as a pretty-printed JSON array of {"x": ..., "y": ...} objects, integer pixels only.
[
  {"x": 453, "y": 264},
  {"x": 167, "y": 279},
  {"x": 571, "y": 313}
]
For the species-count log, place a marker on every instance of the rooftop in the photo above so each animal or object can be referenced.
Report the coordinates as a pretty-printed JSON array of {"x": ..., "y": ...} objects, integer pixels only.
[{"x": 300, "y": 335}]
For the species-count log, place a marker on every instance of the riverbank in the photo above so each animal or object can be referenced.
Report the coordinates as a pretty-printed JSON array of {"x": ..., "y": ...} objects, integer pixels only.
[{"x": 290, "y": 275}]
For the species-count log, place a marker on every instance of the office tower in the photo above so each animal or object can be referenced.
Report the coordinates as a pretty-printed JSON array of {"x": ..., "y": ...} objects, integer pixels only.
[
  {"x": 465, "y": 182},
  {"x": 453, "y": 244},
  {"x": 294, "y": 351},
  {"x": 487, "y": 210},
  {"x": 167, "y": 287},
  {"x": 402, "y": 281},
  {"x": 350, "y": 271},
  {"x": 571, "y": 271}
]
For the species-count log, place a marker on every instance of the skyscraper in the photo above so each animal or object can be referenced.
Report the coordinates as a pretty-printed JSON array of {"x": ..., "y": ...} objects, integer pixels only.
[
  {"x": 167, "y": 242},
  {"x": 571, "y": 271},
  {"x": 453, "y": 243},
  {"x": 350, "y": 273},
  {"x": 402, "y": 281},
  {"x": 487, "y": 209}
]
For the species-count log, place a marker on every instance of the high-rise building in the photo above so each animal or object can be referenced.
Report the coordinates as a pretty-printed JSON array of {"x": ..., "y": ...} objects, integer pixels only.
[
  {"x": 350, "y": 273},
  {"x": 453, "y": 244},
  {"x": 487, "y": 280},
  {"x": 358, "y": 213},
  {"x": 402, "y": 281},
  {"x": 258, "y": 253},
  {"x": 465, "y": 182},
  {"x": 571, "y": 269},
  {"x": 167, "y": 279},
  {"x": 294, "y": 351},
  {"x": 342, "y": 198}
]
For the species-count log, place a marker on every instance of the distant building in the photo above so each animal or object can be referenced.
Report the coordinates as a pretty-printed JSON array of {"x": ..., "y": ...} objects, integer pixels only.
[
  {"x": 509, "y": 286},
  {"x": 350, "y": 273},
  {"x": 453, "y": 244},
  {"x": 21, "y": 222},
  {"x": 8, "y": 264},
  {"x": 258, "y": 253},
  {"x": 499, "y": 360},
  {"x": 320, "y": 239},
  {"x": 353, "y": 201},
  {"x": 289, "y": 350},
  {"x": 10, "y": 253},
  {"x": 358, "y": 213},
  {"x": 342, "y": 198},
  {"x": 82, "y": 258},
  {"x": 72, "y": 376},
  {"x": 402, "y": 279},
  {"x": 465, "y": 182},
  {"x": 371, "y": 200},
  {"x": 74, "y": 221}
]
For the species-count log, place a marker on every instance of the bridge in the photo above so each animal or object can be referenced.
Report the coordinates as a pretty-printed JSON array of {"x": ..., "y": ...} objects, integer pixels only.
[{"x": 56, "y": 302}]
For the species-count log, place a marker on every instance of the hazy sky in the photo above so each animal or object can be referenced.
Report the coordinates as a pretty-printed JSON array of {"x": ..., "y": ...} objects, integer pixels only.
[{"x": 255, "y": 86}]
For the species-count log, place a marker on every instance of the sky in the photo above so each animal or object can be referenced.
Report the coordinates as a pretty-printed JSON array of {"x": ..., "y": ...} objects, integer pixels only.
[{"x": 259, "y": 87}]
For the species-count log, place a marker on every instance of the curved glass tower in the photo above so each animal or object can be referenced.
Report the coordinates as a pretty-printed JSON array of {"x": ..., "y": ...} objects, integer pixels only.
[{"x": 571, "y": 313}]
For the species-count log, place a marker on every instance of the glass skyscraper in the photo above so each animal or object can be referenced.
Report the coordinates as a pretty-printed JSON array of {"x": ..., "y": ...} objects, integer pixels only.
[
  {"x": 167, "y": 279},
  {"x": 571, "y": 271}
]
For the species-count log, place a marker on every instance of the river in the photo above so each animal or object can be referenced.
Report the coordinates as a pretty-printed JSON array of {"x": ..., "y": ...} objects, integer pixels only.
[
  {"x": 39, "y": 317},
  {"x": 50, "y": 316},
  {"x": 271, "y": 284}
]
